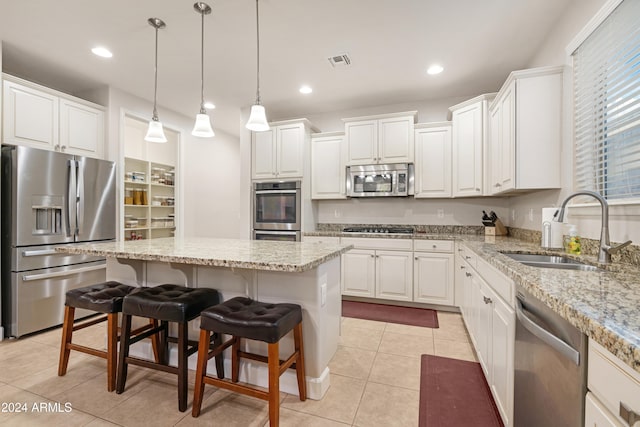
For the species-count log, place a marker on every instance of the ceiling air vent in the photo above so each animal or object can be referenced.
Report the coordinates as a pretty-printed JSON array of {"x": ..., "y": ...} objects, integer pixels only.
[{"x": 342, "y": 60}]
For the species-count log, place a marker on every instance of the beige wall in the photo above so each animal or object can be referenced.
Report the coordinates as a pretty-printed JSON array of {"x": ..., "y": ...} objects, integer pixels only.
[{"x": 209, "y": 188}]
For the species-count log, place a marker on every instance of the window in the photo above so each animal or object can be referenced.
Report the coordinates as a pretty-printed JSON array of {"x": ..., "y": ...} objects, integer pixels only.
[{"x": 606, "y": 81}]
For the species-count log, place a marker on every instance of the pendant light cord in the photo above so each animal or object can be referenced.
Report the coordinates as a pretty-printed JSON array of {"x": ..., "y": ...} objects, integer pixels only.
[
  {"x": 257, "y": 55},
  {"x": 155, "y": 85},
  {"x": 202, "y": 110}
]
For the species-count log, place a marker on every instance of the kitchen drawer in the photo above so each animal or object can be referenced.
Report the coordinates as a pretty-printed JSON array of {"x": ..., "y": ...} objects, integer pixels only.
[
  {"x": 433, "y": 245},
  {"x": 614, "y": 383},
  {"x": 468, "y": 255},
  {"x": 373, "y": 243},
  {"x": 497, "y": 280},
  {"x": 321, "y": 239}
]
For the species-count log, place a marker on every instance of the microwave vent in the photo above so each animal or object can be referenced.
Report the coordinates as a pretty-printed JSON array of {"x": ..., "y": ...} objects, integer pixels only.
[{"x": 342, "y": 60}]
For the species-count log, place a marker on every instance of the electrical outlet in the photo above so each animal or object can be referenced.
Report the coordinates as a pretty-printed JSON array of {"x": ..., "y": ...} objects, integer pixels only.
[
  {"x": 323, "y": 294},
  {"x": 531, "y": 215},
  {"x": 513, "y": 214},
  {"x": 440, "y": 213},
  {"x": 336, "y": 213}
]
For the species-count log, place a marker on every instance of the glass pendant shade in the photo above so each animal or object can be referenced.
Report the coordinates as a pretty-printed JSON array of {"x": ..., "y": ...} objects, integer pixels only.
[
  {"x": 258, "y": 119},
  {"x": 155, "y": 133},
  {"x": 202, "y": 127}
]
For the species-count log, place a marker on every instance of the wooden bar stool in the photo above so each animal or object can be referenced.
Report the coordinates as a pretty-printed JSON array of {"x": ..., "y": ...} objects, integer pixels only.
[
  {"x": 243, "y": 317},
  {"x": 104, "y": 298},
  {"x": 166, "y": 303}
]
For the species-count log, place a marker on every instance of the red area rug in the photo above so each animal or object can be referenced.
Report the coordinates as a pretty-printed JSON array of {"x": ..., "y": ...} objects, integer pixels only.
[
  {"x": 455, "y": 393},
  {"x": 391, "y": 313}
]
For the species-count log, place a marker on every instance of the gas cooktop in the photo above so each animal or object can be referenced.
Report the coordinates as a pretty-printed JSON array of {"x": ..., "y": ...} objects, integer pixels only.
[{"x": 380, "y": 230}]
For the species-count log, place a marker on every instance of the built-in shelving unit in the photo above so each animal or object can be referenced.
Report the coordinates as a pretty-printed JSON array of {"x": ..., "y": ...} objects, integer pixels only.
[{"x": 149, "y": 199}]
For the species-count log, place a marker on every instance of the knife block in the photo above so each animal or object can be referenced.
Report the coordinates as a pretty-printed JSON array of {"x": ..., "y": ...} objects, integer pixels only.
[{"x": 497, "y": 230}]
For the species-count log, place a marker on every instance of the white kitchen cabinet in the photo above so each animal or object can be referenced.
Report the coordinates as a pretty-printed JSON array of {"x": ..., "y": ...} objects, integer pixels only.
[
  {"x": 433, "y": 281},
  {"x": 487, "y": 309},
  {"x": 614, "y": 388},
  {"x": 81, "y": 129},
  {"x": 378, "y": 268},
  {"x": 394, "y": 275},
  {"x": 433, "y": 160},
  {"x": 321, "y": 239},
  {"x": 359, "y": 273},
  {"x": 380, "y": 139},
  {"x": 469, "y": 134},
  {"x": 526, "y": 132},
  {"x": 327, "y": 166},
  {"x": 40, "y": 117},
  {"x": 281, "y": 151},
  {"x": 596, "y": 415}
]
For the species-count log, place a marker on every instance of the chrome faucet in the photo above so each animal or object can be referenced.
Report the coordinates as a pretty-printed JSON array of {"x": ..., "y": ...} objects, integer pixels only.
[{"x": 606, "y": 250}]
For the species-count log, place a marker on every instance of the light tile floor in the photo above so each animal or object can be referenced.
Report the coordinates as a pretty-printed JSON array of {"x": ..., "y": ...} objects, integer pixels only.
[{"x": 374, "y": 382}]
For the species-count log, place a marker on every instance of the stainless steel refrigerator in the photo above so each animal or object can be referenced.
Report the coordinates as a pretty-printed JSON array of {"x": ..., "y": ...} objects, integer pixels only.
[{"x": 50, "y": 199}]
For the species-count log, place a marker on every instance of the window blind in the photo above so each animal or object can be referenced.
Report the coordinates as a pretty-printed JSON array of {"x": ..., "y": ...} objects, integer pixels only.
[{"x": 607, "y": 106}]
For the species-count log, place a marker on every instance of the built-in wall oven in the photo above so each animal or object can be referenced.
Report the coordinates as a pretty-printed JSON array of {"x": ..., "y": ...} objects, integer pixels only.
[{"x": 277, "y": 210}]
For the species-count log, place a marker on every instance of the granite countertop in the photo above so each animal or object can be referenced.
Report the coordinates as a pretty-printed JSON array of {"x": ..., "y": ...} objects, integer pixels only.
[
  {"x": 232, "y": 253},
  {"x": 603, "y": 305}
]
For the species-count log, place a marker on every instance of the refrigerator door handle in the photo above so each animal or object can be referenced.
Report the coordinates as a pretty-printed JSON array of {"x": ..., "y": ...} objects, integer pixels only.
[
  {"x": 80, "y": 193},
  {"x": 43, "y": 276},
  {"x": 72, "y": 199}
]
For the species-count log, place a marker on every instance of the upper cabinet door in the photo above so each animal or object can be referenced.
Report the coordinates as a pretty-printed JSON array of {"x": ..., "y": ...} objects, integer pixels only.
[
  {"x": 507, "y": 147},
  {"x": 263, "y": 162},
  {"x": 327, "y": 168},
  {"x": 362, "y": 142},
  {"x": 433, "y": 162},
  {"x": 290, "y": 150},
  {"x": 81, "y": 129},
  {"x": 30, "y": 117},
  {"x": 468, "y": 128},
  {"x": 395, "y": 142}
]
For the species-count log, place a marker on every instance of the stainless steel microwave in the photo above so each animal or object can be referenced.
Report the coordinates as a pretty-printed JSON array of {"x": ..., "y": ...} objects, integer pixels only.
[{"x": 388, "y": 180}]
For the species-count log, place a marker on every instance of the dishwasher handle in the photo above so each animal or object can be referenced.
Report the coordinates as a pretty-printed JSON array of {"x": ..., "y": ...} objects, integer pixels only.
[{"x": 547, "y": 337}]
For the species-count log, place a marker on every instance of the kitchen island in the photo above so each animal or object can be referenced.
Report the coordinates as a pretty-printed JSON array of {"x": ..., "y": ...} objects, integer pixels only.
[{"x": 302, "y": 273}]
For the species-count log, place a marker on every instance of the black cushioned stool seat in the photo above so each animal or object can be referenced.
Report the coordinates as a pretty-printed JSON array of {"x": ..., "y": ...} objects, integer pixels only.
[
  {"x": 243, "y": 317},
  {"x": 104, "y": 298},
  {"x": 166, "y": 303}
]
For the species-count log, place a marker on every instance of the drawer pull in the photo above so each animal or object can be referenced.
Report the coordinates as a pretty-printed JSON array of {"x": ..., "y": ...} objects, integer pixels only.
[
  {"x": 460, "y": 249},
  {"x": 468, "y": 274},
  {"x": 467, "y": 257},
  {"x": 487, "y": 300},
  {"x": 628, "y": 415},
  {"x": 462, "y": 267}
]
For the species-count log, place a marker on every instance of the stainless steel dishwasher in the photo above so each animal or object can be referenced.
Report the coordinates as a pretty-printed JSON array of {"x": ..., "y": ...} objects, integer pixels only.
[{"x": 550, "y": 367}]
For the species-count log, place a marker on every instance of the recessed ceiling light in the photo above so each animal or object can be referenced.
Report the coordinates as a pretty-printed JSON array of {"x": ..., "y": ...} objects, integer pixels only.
[
  {"x": 306, "y": 89},
  {"x": 209, "y": 105},
  {"x": 102, "y": 51},
  {"x": 435, "y": 69}
]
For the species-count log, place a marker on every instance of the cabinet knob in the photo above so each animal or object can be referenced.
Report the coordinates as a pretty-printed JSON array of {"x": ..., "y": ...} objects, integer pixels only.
[
  {"x": 459, "y": 249},
  {"x": 416, "y": 258},
  {"x": 64, "y": 147},
  {"x": 57, "y": 147},
  {"x": 487, "y": 300},
  {"x": 435, "y": 246},
  {"x": 477, "y": 189},
  {"x": 628, "y": 414},
  {"x": 462, "y": 267},
  {"x": 497, "y": 184},
  {"x": 373, "y": 256},
  {"x": 467, "y": 257},
  {"x": 468, "y": 274}
]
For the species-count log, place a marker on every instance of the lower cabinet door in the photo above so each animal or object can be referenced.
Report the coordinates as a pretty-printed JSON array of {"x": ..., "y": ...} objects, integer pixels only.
[
  {"x": 433, "y": 278},
  {"x": 358, "y": 273},
  {"x": 503, "y": 329},
  {"x": 595, "y": 414},
  {"x": 394, "y": 275}
]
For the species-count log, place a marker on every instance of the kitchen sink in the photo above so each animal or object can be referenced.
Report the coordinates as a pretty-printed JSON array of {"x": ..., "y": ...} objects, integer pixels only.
[{"x": 551, "y": 261}]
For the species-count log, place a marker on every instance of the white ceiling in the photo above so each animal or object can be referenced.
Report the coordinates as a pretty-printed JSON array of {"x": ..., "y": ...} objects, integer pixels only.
[{"x": 391, "y": 43}]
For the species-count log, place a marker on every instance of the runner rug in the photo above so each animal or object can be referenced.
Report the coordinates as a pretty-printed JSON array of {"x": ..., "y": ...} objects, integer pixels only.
[
  {"x": 391, "y": 313},
  {"x": 455, "y": 393}
]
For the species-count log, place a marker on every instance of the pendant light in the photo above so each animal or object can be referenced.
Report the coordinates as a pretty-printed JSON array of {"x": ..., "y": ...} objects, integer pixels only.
[
  {"x": 257, "y": 119},
  {"x": 155, "y": 133},
  {"x": 202, "y": 127}
]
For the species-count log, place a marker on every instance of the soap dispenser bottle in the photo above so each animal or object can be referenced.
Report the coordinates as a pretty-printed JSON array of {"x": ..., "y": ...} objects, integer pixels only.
[{"x": 572, "y": 241}]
